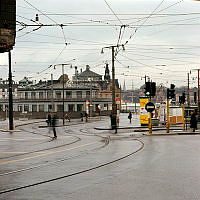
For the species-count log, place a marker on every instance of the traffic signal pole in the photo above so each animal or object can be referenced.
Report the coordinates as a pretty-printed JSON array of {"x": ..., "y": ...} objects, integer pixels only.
[
  {"x": 168, "y": 122},
  {"x": 183, "y": 115},
  {"x": 150, "y": 121}
]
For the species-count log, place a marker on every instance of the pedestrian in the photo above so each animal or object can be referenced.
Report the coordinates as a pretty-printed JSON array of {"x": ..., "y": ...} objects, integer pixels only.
[
  {"x": 53, "y": 124},
  {"x": 193, "y": 121},
  {"x": 130, "y": 116},
  {"x": 48, "y": 119},
  {"x": 81, "y": 115},
  {"x": 86, "y": 117},
  {"x": 67, "y": 117}
]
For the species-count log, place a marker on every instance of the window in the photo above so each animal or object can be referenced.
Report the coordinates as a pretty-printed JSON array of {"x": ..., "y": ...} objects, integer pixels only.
[
  {"x": 59, "y": 108},
  {"x": 68, "y": 94},
  {"x": 49, "y": 94},
  {"x": 105, "y": 106},
  {"x": 79, "y": 107},
  {"x": 34, "y": 108},
  {"x": 26, "y": 95},
  {"x": 20, "y": 95},
  {"x": 49, "y": 108},
  {"x": 71, "y": 107},
  {"x": 79, "y": 94},
  {"x": 87, "y": 94},
  {"x": 33, "y": 95},
  {"x": 58, "y": 95},
  {"x": 41, "y": 108},
  {"x": 20, "y": 108},
  {"x": 95, "y": 93},
  {"x": 41, "y": 95},
  {"x": 6, "y": 108},
  {"x": 26, "y": 108},
  {"x": 1, "y": 107}
]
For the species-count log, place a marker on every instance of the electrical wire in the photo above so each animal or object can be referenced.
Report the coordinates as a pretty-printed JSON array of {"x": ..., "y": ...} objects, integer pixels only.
[{"x": 113, "y": 12}]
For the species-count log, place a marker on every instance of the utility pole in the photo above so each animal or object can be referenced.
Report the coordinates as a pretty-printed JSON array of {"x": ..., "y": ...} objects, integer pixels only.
[
  {"x": 52, "y": 97},
  {"x": 63, "y": 105},
  {"x": 198, "y": 92},
  {"x": 11, "y": 126},
  {"x": 188, "y": 95},
  {"x": 114, "y": 105},
  {"x": 90, "y": 105},
  {"x": 63, "y": 88}
]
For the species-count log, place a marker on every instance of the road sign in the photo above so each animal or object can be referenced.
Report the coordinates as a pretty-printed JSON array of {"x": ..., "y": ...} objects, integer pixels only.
[{"x": 150, "y": 107}]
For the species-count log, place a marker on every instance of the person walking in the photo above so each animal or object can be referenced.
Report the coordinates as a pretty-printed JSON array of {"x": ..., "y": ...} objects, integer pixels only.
[
  {"x": 81, "y": 116},
  {"x": 86, "y": 117},
  {"x": 53, "y": 124},
  {"x": 48, "y": 119},
  {"x": 67, "y": 117},
  {"x": 193, "y": 121},
  {"x": 130, "y": 116}
]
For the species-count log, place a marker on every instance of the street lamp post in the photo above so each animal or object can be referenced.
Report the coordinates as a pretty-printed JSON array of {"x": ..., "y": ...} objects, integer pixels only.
[
  {"x": 198, "y": 91},
  {"x": 63, "y": 88},
  {"x": 114, "y": 105},
  {"x": 11, "y": 126}
]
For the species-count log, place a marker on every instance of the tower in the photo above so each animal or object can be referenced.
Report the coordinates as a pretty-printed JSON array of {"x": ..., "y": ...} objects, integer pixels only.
[
  {"x": 124, "y": 86},
  {"x": 107, "y": 73}
]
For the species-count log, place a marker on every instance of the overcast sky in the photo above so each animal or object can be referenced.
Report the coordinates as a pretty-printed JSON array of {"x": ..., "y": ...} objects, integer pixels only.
[{"x": 161, "y": 37}]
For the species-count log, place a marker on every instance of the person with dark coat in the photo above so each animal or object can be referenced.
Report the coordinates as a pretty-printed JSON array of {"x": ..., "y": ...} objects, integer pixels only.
[
  {"x": 81, "y": 115},
  {"x": 48, "y": 119},
  {"x": 193, "y": 121},
  {"x": 130, "y": 116},
  {"x": 86, "y": 117},
  {"x": 53, "y": 124}
]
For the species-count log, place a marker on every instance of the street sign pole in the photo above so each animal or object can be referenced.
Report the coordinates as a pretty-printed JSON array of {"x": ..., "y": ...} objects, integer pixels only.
[
  {"x": 150, "y": 107},
  {"x": 150, "y": 123},
  {"x": 183, "y": 115}
]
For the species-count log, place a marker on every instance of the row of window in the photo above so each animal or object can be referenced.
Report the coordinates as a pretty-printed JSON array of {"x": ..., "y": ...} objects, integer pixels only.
[
  {"x": 41, "y": 108},
  {"x": 48, "y": 94}
]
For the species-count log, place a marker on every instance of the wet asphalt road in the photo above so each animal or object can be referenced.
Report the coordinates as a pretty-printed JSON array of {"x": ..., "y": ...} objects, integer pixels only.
[{"x": 84, "y": 163}]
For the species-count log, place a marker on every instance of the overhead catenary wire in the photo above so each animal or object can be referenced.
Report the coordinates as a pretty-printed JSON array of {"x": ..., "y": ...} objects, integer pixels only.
[
  {"x": 151, "y": 15},
  {"x": 113, "y": 12}
]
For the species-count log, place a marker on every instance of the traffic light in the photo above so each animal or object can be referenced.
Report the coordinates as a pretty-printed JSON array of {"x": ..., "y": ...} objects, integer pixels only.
[
  {"x": 195, "y": 97},
  {"x": 150, "y": 89},
  {"x": 182, "y": 98},
  {"x": 147, "y": 88},
  {"x": 171, "y": 92},
  {"x": 153, "y": 89}
]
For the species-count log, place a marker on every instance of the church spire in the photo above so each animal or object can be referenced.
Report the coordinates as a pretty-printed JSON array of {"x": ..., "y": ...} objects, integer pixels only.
[
  {"x": 124, "y": 86},
  {"x": 107, "y": 73}
]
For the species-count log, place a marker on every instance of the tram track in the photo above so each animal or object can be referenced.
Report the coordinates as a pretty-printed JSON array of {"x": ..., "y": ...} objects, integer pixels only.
[
  {"x": 78, "y": 172},
  {"x": 46, "y": 149},
  {"x": 104, "y": 140},
  {"x": 77, "y": 139}
]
